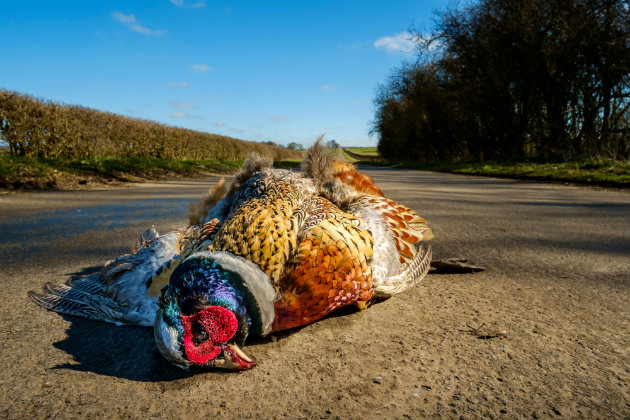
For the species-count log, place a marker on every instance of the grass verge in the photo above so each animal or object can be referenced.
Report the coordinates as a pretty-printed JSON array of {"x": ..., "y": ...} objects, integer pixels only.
[
  {"x": 17, "y": 173},
  {"x": 287, "y": 164},
  {"x": 368, "y": 151},
  {"x": 22, "y": 173},
  {"x": 589, "y": 172}
]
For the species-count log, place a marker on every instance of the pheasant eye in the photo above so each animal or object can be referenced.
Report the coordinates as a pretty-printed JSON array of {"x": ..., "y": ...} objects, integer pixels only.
[{"x": 199, "y": 333}]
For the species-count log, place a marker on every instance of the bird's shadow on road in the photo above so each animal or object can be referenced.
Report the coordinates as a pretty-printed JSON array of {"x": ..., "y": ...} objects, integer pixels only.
[
  {"x": 119, "y": 351},
  {"x": 123, "y": 352}
]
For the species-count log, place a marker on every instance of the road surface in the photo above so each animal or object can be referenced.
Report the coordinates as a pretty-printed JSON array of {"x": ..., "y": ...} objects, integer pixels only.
[{"x": 557, "y": 285}]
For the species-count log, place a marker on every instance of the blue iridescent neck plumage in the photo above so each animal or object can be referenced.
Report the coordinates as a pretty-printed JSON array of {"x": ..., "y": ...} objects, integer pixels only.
[
  {"x": 198, "y": 282},
  {"x": 202, "y": 280}
]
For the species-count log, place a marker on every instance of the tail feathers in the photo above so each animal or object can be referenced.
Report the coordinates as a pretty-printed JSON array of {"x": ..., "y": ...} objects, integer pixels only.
[
  {"x": 418, "y": 268},
  {"x": 412, "y": 273}
]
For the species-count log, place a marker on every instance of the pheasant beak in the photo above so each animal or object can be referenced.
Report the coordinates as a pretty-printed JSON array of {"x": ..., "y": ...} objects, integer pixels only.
[{"x": 233, "y": 358}]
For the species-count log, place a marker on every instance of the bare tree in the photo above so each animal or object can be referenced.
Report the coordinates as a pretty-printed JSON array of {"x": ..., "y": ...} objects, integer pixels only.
[{"x": 514, "y": 79}]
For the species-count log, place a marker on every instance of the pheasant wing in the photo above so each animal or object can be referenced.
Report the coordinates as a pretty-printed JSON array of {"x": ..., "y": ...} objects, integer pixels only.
[
  {"x": 119, "y": 293},
  {"x": 329, "y": 270}
]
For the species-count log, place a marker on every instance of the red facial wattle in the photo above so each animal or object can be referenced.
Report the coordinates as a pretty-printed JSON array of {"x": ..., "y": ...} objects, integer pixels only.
[{"x": 219, "y": 323}]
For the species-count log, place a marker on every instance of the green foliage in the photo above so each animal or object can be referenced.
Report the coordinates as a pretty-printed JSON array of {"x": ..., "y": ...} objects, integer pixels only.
[
  {"x": 589, "y": 172},
  {"x": 46, "y": 129},
  {"x": 513, "y": 79}
]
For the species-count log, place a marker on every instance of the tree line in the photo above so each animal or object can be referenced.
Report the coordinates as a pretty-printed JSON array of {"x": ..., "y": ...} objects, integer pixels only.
[
  {"x": 38, "y": 128},
  {"x": 513, "y": 79}
]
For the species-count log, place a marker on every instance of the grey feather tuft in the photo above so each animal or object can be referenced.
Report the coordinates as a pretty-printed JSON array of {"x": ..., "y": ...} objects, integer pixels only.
[
  {"x": 254, "y": 163},
  {"x": 340, "y": 194},
  {"x": 317, "y": 164}
]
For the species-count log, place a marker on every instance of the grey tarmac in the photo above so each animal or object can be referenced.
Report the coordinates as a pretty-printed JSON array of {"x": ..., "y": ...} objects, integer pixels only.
[{"x": 542, "y": 333}]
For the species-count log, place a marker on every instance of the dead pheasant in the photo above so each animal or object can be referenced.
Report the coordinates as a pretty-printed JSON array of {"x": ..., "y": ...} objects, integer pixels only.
[{"x": 274, "y": 250}]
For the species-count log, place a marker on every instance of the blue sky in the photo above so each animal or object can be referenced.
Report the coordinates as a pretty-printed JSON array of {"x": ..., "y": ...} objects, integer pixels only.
[{"x": 257, "y": 70}]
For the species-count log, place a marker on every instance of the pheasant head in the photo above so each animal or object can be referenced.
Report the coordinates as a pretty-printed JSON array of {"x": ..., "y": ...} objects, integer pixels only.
[{"x": 209, "y": 308}]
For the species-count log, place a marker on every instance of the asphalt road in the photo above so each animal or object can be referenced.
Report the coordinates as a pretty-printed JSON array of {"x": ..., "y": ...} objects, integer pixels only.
[{"x": 557, "y": 282}]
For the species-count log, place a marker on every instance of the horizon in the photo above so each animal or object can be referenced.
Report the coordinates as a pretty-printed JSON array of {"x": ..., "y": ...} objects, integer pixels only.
[{"x": 274, "y": 72}]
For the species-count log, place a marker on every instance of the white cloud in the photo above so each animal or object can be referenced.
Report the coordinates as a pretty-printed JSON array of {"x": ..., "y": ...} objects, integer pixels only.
[
  {"x": 196, "y": 5},
  {"x": 180, "y": 114},
  {"x": 328, "y": 88},
  {"x": 181, "y": 84},
  {"x": 280, "y": 118},
  {"x": 124, "y": 19},
  {"x": 201, "y": 67},
  {"x": 182, "y": 105},
  {"x": 220, "y": 124},
  {"x": 403, "y": 42},
  {"x": 132, "y": 23}
]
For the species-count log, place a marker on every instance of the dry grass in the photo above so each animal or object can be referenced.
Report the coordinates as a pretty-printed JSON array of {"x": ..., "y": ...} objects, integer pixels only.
[{"x": 34, "y": 127}]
